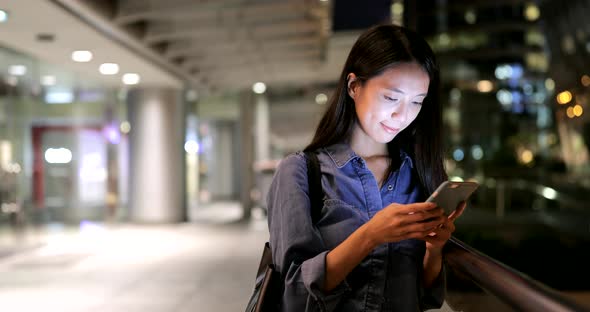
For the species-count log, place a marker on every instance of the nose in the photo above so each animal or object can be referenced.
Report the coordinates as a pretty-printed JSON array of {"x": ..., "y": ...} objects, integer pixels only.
[{"x": 400, "y": 113}]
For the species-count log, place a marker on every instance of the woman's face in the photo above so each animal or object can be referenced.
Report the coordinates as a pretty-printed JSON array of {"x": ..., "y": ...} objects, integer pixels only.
[{"x": 388, "y": 103}]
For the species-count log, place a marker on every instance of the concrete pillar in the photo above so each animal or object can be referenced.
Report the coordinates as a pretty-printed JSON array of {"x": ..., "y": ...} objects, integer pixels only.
[
  {"x": 247, "y": 112},
  {"x": 156, "y": 169},
  {"x": 262, "y": 120}
]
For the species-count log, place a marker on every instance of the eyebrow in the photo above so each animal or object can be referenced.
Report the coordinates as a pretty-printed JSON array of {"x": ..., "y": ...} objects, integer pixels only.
[{"x": 402, "y": 92}]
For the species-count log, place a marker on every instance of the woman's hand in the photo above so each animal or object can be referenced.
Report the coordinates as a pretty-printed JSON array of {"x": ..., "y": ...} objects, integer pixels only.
[
  {"x": 397, "y": 222},
  {"x": 436, "y": 239},
  {"x": 393, "y": 223},
  {"x": 434, "y": 245}
]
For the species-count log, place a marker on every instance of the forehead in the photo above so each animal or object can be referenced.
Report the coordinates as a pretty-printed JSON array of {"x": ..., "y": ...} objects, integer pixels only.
[{"x": 404, "y": 77}]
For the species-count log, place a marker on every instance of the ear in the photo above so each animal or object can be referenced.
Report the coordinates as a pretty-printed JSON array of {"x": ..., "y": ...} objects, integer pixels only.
[{"x": 352, "y": 84}]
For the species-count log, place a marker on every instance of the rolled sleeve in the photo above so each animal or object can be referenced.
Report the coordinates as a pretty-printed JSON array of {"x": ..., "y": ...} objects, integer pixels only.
[{"x": 298, "y": 250}]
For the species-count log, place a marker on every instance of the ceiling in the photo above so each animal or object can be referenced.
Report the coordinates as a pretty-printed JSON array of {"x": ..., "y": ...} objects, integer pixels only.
[
  {"x": 216, "y": 46},
  {"x": 226, "y": 45},
  {"x": 28, "y": 19}
]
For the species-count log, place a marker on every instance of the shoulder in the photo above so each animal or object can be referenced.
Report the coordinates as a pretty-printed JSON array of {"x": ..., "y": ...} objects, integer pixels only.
[
  {"x": 292, "y": 160},
  {"x": 293, "y": 168},
  {"x": 292, "y": 163}
]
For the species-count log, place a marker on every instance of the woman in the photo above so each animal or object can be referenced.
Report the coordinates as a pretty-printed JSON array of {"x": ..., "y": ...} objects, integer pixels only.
[{"x": 377, "y": 246}]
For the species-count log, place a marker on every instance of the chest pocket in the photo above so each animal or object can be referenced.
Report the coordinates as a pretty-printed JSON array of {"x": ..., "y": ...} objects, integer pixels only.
[{"x": 339, "y": 220}]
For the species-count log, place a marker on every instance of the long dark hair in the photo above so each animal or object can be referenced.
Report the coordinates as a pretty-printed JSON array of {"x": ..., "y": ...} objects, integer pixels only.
[{"x": 378, "y": 49}]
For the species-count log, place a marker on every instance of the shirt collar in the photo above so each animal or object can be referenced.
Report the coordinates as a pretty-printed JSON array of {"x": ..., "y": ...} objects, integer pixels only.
[{"x": 341, "y": 154}]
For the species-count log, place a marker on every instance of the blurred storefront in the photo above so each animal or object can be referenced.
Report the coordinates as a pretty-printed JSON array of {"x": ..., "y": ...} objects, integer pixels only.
[{"x": 63, "y": 143}]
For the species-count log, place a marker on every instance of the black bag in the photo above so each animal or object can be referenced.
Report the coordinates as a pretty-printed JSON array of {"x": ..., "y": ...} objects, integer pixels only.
[{"x": 268, "y": 288}]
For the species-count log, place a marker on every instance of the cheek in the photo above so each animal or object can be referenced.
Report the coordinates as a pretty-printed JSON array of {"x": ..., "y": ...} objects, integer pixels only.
[
  {"x": 366, "y": 109},
  {"x": 378, "y": 114}
]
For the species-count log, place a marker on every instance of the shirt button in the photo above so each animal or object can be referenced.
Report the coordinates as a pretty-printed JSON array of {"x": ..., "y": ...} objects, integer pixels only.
[{"x": 390, "y": 187}]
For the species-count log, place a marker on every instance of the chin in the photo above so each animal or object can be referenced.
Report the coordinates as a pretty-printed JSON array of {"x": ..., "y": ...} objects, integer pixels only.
[{"x": 384, "y": 139}]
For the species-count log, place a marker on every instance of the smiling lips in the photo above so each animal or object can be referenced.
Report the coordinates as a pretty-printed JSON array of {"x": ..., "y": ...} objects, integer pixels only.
[{"x": 389, "y": 129}]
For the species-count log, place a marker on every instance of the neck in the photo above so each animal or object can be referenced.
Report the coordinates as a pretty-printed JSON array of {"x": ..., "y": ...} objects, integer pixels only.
[{"x": 365, "y": 146}]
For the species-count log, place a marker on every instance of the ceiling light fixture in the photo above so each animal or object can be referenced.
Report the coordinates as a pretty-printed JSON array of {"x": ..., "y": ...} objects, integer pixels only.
[
  {"x": 259, "y": 88},
  {"x": 82, "y": 56},
  {"x": 321, "y": 99},
  {"x": 131, "y": 79},
  {"x": 109, "y": 69},
  {"x": 3, "y": 16}
]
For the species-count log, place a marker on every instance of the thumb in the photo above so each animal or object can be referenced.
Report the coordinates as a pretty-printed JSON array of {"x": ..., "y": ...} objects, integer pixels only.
[{"x": 459, "y": 211}]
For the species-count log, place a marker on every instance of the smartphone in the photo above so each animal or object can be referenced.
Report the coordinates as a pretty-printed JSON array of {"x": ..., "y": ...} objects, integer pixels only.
[{"x": 449, "y": 194}]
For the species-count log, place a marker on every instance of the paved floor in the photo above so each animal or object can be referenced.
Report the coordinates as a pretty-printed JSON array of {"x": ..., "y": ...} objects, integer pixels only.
[
  {"x": 206, "y": 265},
  {"x": 189, "y": 267}
]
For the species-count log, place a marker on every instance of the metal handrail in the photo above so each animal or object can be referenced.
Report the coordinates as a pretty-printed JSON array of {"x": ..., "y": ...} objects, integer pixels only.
[{"x": 510, "y": 286}]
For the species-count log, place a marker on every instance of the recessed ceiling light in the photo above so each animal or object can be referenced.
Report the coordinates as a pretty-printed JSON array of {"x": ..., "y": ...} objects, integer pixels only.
[
  {"x": 109, "y": 69},
  {"x": 3, "y": 16},
  {"x": 259, "y": 87},
  {"x": 82, "y": 56},
  {"x": 321, "y": 99},
  {"x": 131, "y": 79}
]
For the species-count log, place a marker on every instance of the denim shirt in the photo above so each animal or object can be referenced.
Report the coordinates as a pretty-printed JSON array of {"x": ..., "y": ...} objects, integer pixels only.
[{"x": 389, "y": 279}]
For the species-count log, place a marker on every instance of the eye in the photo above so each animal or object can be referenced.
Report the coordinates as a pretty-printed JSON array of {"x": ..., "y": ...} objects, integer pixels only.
[
  {"x": 417, "y": 103},
  {"x": 390, "y": 99}
]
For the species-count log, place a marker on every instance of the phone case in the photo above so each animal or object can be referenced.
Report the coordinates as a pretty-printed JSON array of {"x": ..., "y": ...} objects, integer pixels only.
[{"x": 449, "y": 194}]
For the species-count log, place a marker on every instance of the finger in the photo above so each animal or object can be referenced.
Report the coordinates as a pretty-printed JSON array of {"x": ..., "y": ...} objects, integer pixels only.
[
  {"x": 446, "y": 227},
  {"x": 424, "y": 215},
  {"x": 459, "y": 211},
  {"x": 438, "y": 235},
  {"x": 415, "y": 207},
  {"x": 449, "y": 227},
  {"x": 434, "y": 237},
  {"x": 434, "y": 240},
  {"x": 445, "y": 236},
  {"x": 425, "y": 226},
  {"x": 416, "y": 235}
]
